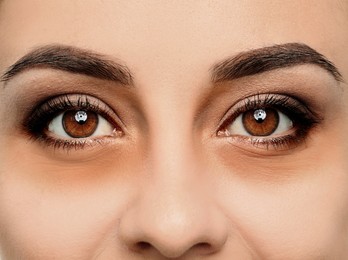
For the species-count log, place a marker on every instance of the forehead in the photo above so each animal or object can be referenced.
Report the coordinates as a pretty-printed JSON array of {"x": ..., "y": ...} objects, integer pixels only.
[{"x": 167, "y": 36}]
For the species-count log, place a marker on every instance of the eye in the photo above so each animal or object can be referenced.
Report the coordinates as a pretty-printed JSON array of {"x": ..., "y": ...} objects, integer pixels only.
[
  {"x": 260, "y": 122},
  {"x": 79, "y": 124},
  {"x": 268, "y": 121},
  {"x": 74, "y": 120}
]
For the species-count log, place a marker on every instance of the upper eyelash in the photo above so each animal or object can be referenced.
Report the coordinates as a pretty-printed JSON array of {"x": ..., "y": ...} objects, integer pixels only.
[
  {"x": 45, "y": 112},
  {"x": 292, "y": 107}
]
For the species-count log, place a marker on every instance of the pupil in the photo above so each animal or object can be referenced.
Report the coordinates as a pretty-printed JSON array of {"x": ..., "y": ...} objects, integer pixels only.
[
  {"x": 260, "y": 115},
  {"x": 81, "y": 117}
]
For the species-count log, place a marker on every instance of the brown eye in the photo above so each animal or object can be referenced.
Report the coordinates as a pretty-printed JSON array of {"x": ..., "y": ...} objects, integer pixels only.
[
  {"x": 80, "y": 124},
  {"x": 260, "y": 122}
]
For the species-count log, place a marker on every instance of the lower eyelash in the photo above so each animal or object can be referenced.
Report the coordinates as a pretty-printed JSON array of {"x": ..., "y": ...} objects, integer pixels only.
[
  {"x": 70, "y": 144},
  {"x": 271, "y": 143},
  {"x": 278, "y": 143}
]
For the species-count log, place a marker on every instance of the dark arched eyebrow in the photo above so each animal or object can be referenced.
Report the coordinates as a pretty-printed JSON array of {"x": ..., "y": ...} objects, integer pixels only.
[
  {"x": 260, "y": 60},
  {"x": 80, "y": 61},
  {"x": 74, "y": 60}
]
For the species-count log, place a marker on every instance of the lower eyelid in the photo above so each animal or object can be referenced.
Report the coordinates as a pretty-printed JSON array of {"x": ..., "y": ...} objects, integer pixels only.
[
  {"x": 268, "y": 146},
  {"x": 278, "y": 143},
  {"x": 75, "y": 144}
]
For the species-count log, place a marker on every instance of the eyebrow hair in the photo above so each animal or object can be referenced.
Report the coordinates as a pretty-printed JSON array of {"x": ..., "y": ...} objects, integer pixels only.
[
  {"x": 270, "y": 58},
  {"x": 71, "y": 59}
]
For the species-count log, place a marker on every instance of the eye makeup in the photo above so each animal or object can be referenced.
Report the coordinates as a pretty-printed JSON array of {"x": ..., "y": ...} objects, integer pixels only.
[
  {"x": 301, "y": 117},
  {"x": 292, "y": 93},
  {"x": 39, "y": 123}
]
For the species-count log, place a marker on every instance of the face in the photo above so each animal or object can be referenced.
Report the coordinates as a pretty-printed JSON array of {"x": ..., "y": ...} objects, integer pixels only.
[{"x": 186, "y": 130}]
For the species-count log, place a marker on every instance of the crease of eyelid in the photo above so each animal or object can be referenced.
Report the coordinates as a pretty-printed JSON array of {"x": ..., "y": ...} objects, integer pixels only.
[
  {"x": 73, "y": 60},
  {"x": 257, "y": 61}
]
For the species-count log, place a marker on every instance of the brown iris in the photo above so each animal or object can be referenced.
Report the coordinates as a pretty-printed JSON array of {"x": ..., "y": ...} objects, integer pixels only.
[
  {"x": 261, "y": 122},
  {"x": 79, "y": 123}
]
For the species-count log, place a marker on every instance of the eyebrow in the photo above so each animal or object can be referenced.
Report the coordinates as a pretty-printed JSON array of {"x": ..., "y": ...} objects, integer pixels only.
[
  {"x": 256, "y": 61},
  {"x": 73, "y": 60},
  {"x": 260, "y": 60}
]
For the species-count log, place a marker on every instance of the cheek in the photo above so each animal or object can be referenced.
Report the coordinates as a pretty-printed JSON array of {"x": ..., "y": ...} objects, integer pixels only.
[
  {"x": 303, "y": 216},
  {"x": 51, "y": 211}
]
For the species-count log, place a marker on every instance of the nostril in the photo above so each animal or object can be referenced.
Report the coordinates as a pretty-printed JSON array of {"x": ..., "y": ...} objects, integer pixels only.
[
  {"x": 203, "y": 245},
  {"x": 143, "y": 245},
  {"x": 203, "y": 248},
  {"x": 200, "y": 248}
]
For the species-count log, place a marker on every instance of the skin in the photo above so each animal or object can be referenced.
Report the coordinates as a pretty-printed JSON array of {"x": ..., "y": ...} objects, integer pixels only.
[{"x": 170, "y": 188}]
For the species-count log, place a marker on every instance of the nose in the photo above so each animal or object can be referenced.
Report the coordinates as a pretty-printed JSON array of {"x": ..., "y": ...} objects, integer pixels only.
[
  {"x": 175, "y": 214},
  {"x": 174, "y": 222}
]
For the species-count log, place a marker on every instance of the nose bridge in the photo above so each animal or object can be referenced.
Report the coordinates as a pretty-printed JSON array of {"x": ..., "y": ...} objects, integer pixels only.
[
  {"x": 178, "y": 176},
  {"x": 178, "y": 179},
  {"x": 171, "y": 146},
  {"x": 174, "y": 212},
  {"x": 173, "y": 152}
]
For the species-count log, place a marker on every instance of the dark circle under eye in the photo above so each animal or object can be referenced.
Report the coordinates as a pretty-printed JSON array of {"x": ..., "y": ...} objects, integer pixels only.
[
  {"x": 80, "y": 123},
  {"x": 260, "y": 122}
]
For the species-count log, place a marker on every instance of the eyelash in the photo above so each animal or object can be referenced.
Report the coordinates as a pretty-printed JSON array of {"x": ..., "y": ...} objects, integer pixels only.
[
  {"x": 302, "y": 117},
  {"x": 39, "y": 119}
]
